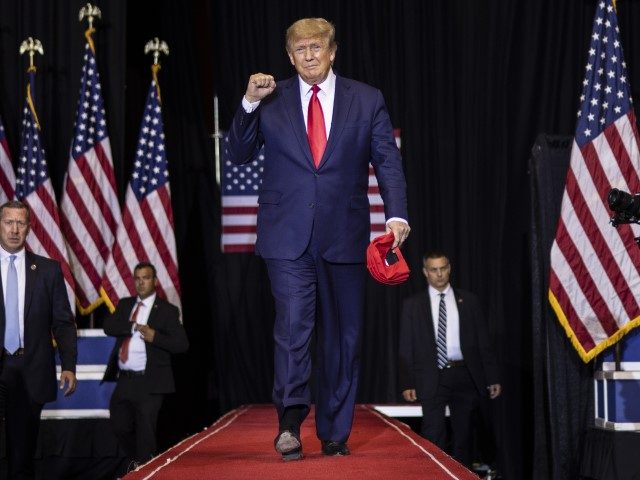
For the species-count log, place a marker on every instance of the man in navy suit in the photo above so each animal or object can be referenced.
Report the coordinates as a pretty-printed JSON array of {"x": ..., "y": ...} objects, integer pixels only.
[
  {"x": 34, "y": 305},
  {"x": 468, "y": 370},
  {"x": 147, "y": 330},
  {"x": 320, "y": 131}
]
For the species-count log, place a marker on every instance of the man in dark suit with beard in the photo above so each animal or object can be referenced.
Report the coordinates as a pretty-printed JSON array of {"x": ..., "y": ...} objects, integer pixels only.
[
  {"x": 320, "y": 131},
  {"x": 34, "y": 305},
  {"x": 446, "y": 358},
  {"x": 148, "y": 330}
]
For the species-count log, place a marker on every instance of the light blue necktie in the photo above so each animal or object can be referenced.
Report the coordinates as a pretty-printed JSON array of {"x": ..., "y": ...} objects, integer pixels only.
[{"x": 12, "y": 320}]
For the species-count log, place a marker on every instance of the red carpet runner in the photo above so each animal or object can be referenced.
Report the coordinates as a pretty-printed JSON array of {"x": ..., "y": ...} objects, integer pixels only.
[{"x": 240, "y": 446}]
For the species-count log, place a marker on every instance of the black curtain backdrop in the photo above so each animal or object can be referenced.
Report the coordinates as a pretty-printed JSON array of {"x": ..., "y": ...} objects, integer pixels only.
[
  {"x": 470, "y": 84},
  {"x": 563, "y": 384}
]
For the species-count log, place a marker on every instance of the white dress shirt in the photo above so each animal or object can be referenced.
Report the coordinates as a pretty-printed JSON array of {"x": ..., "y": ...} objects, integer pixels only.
[
  {"x": 19, "y": 263},
  {"x": 453, "y": 320},
  {"x": 137, "y": 359},
  {"x": 326, "y": 95}
]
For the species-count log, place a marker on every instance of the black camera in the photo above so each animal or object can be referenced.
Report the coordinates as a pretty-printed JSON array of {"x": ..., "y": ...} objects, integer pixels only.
[{"x": 626, "y": 207}]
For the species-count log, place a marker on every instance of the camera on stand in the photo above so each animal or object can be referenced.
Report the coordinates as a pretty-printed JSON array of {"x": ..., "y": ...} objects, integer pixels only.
[{"x": 625, "y": 207}]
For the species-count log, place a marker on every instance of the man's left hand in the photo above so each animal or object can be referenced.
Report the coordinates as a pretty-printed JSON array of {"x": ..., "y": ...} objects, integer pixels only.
[
  {"x": 494, "y": 390},
  {"x": 147, "y": 333},
  {"x": 400, "y": 232},
  {"x": 69, "y": 378}
]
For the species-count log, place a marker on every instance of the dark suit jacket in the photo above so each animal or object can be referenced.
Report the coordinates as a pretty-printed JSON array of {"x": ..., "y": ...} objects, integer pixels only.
[
  {"x": 418, "y": 356},
  {"x": 170, "y": 337},
  {"x": 46, "y": 312},
  {"x": 295, "y": 197}
]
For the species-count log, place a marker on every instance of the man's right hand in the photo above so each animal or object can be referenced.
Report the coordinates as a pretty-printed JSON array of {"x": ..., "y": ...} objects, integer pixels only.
[
  {"x": 409, "y": 395},
  {"x": 260, "y": 85}
]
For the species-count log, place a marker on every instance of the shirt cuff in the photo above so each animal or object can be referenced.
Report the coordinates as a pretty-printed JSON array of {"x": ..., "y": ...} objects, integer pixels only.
[
  {"x": 396, "y": 219},
  {"x": 249, "y": 106}
]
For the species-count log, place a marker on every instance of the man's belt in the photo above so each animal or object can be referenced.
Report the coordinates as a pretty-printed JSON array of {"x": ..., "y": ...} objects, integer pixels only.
[
  {"x": 19, "y": 352},
  {"x": 131, "y": 373},
  {"x": 454, "y": 363}
]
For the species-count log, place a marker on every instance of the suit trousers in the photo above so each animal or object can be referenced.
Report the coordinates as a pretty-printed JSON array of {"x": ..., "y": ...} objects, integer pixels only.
[
  {"x": 310, "y": 293},
  {"x": 457, "y": 390},
  {"x": 22, "y": 418},
  {"x": 134, "y": 416}
]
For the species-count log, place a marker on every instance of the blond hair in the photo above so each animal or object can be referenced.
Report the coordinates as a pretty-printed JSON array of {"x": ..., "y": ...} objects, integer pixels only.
[{"x": 311, "y": 28}]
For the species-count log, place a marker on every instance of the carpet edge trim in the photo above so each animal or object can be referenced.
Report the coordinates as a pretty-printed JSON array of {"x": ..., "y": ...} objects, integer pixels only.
[
  {"x": 235, "y": 413},
  {"x": 411, "y": 440}
]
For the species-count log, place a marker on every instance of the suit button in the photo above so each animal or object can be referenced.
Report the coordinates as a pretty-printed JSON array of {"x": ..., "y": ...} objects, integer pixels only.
[
  {"x": 316, "y": 174},
  {"x": 311, "y": 205}
]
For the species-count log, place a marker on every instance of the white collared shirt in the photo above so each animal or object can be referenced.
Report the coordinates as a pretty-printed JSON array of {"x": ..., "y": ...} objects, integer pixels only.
[
  {"x": 137, "y": 359},
  {"x": 454, "y": 352},
  {"x": 19, "y": 263},
  {"x": 326, "y": 95}
]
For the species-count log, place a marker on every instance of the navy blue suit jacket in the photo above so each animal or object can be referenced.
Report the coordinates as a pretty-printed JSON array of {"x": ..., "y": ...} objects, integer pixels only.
[
  {"x": 295, "y": 197},
  {"x": 46, "y": 312}
]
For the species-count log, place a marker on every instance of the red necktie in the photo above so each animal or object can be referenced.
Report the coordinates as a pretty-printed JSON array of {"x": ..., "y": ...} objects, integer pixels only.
[
  {"x": 315, "y": 127},
  {"x": 123, "y": 355}
]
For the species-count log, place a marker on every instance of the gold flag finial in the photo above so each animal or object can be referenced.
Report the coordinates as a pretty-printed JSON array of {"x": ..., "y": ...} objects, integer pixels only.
[
  {"x": 31, "y": 46},
  {"x": 90, "y": 12},
  {"x": 156, "y": 46}
]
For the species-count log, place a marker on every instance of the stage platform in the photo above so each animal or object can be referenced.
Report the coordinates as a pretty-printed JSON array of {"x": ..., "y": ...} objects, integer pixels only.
[{"x": 240, "y": 445}]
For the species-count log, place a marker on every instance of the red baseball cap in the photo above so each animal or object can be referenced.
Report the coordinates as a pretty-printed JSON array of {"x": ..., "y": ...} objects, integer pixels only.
[{"x": 385, "y": 265}]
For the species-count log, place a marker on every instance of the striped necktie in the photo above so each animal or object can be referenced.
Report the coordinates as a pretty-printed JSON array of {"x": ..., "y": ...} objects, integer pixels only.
[{"x": 441, "y": 342}]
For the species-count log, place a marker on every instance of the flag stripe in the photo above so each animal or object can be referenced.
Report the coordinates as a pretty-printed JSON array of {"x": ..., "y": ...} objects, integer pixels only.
[
  {"x": 228, "y": 211},
  {"x": 92, "y": 166},
  {"x": 91, "y": 236},
  {"x": 581, "y": 331},
  {"x": 580, "y": 270},
  {"x": 620, "y": 157},
  {"x": 239, "y": 229},
  {"x": 7, "y": 175}
]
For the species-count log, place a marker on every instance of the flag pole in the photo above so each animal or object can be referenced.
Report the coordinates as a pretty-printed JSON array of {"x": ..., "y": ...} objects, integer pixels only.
[
  {"x": 89, "y": 12},
  {"x": 216, "y": 137}
]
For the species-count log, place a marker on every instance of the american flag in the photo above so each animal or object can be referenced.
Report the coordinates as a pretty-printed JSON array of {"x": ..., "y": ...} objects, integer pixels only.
[
  {"x": 7, "y": 176},
  {"x": 33, "y": 187},
  {"x": 89, "y": 210},
  {"x": 240, "y": 185},
  {"x": 146, "y": 232},
  {"x": 595, "y": 276}
]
